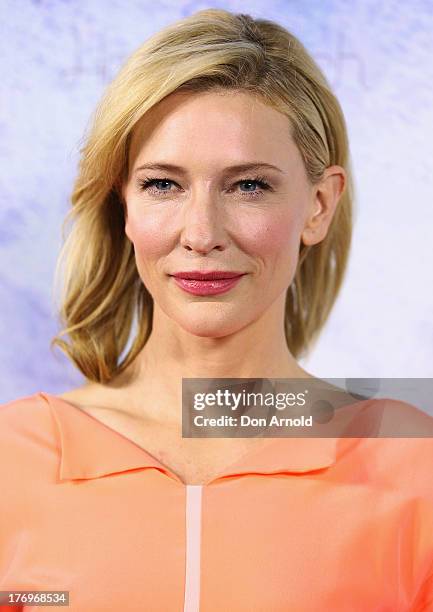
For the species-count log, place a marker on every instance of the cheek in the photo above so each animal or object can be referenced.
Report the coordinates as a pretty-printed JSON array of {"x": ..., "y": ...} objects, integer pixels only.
[
  {"x": 148, "y": 235},
  {"x": 271, "y": 236},
  {"x": 265, "y": 235}
]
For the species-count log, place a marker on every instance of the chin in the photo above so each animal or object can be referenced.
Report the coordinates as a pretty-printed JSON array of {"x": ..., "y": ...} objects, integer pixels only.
[
  {"x": 210, "y": 326},
  {"x": 207, "y": 330}
]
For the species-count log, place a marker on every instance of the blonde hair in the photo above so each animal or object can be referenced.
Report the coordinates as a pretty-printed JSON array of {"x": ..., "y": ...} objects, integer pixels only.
[{"x": 212, "y": 49}]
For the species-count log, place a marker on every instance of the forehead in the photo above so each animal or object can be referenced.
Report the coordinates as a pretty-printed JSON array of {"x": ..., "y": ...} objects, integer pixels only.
[{"x": 223, "y": 123}]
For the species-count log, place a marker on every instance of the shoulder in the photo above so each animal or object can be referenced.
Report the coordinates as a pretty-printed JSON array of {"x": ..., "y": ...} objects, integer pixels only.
[
  {"x": 88, "y": 392},
  {"x": 94, "y": 397},
  {"x": 29, "y": 455},
  {"x": 18, "y": 410},
  {"x": 29, "y": 450},
  {"x": 25, "y": 423},
  {"x": 400, "y": 455},
  {"x": 405, "y": 419}
]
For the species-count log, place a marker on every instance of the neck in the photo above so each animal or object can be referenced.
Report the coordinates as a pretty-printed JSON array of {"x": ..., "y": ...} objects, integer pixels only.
[{"x": 258, "y": 350}]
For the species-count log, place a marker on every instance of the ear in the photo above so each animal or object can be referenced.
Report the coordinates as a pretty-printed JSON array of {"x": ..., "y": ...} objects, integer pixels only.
[
  {"x": 127, "y": 229},
  {"x": 121, "y": 194},
  {"x": 324, "y": 200}
]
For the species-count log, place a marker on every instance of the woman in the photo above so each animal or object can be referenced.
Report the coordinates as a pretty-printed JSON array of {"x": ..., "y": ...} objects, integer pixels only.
[{"x": 218, "y": 149}]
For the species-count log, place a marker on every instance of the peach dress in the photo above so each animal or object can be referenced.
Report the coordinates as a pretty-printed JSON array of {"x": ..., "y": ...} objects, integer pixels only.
[{"x": 300, "y": 525}]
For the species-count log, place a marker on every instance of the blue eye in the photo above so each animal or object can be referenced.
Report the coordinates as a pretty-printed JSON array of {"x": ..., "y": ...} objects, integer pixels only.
[
  {"x": 147, "y": 183},
  {"x": 258, "y": 180}
]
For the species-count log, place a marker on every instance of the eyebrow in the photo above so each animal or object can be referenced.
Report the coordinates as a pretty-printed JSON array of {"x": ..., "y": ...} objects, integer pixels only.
[{"x": 230, "y": 169}]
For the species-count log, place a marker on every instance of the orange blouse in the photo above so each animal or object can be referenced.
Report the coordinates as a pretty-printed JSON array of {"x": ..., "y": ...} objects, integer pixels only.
[{"x": 302, "y": 524}]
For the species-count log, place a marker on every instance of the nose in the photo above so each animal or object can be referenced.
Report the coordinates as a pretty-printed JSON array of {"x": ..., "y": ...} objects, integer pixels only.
[{"x": 203, "y": 224}]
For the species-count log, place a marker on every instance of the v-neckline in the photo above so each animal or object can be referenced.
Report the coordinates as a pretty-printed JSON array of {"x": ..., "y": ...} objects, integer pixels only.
[{"x": 251, "y": 452}]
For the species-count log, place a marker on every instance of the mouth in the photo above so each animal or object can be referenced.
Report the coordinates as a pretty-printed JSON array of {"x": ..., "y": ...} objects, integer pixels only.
[
  {"x": 209, "y": 283},
  {"x": 207, "y": 275}
]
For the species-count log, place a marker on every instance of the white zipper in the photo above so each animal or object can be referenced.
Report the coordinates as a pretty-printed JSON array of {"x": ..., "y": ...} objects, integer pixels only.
[{"x": 193, "y": 546}]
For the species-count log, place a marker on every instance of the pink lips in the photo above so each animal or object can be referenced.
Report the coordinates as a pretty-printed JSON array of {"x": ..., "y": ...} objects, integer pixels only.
[{"x": 207, "y": 283}]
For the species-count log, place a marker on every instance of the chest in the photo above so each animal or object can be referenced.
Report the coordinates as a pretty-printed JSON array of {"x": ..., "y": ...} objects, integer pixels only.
[
  {"x": 248, "y": 543},
  {"x": 194, "y": 460},
  {"x": 201, "y": 462}
]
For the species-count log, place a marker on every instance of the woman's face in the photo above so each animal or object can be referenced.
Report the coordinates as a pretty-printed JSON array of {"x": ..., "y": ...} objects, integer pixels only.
[{"x": 205, "y": 216}]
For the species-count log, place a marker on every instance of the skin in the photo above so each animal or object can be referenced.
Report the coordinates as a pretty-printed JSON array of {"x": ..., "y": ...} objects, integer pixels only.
[{"x": 205, "y": 219}]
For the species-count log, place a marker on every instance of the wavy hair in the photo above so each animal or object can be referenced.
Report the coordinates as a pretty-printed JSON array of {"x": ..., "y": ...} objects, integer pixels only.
[{"x": 213, "y": 49}]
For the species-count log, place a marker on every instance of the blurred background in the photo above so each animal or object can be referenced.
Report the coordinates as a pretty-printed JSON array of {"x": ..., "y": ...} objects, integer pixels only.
[{"x": 57, "y": 58}]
